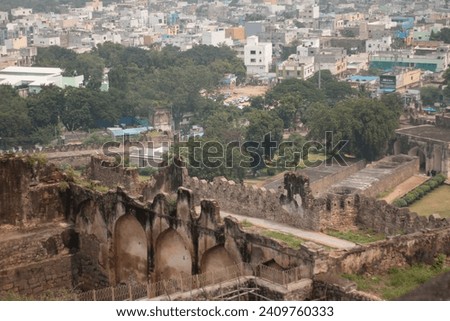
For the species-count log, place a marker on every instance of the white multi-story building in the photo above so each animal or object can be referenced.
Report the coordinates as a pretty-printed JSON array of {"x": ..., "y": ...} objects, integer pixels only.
[
  {"x": 216, "y": 38},
  {"x": 257, "y": 56},
  {"x": 19, "y": 12},
  {"x": 3, "y": 17},
  {"x": 46, "y": 41},
  {"x": 380, "y": 44}
]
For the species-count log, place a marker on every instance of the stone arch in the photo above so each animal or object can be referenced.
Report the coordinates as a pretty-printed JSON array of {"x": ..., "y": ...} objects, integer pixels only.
[
  {"x": 172, "y": 256},
  {"x": 130, "y": 244},
  {"x": 216, "y": 258},
  {"x": 417, "y": 151}
]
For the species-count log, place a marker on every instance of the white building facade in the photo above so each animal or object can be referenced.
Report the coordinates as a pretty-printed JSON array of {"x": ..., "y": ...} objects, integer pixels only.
[{"x": 257, "y": 56}]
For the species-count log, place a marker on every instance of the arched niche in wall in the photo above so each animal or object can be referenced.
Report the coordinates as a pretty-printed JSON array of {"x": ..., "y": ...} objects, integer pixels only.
[
  {"x": 216, "y": 258},
  {"x": 172, "y": 256},
  {"x": 130, "y": 244}
]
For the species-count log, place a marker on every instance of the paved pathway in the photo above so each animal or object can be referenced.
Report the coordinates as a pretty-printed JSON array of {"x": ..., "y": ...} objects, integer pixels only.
[
  {"x": 316, "y": 237},
  {"x": 403, "y": 188}
]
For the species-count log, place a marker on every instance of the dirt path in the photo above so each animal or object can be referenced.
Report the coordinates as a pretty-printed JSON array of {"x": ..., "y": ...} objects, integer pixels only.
[
  {"x": 316, "y": 237},
  {"x": 405, "y": 187}
]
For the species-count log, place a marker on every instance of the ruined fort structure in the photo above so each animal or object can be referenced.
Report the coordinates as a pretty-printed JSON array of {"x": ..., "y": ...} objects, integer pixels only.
[
  {"x": 431, "y": 143},
  {"x": 57, "y": 233}
]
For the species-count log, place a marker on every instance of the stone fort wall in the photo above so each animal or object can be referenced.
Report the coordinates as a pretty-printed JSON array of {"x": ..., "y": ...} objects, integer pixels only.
[
  {"x": 329, "y": 211},
  {"x": 402, "y": 172},
  {"x": 106, "y": 171}
]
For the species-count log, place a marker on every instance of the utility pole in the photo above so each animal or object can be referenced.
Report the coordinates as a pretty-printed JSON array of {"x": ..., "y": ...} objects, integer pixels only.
[{"x": 320, "y": 77}]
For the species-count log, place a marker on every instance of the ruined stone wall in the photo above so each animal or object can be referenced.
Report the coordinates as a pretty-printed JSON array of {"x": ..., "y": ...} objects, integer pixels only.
[
  {"x": 297, "y": 207},
  {"x": 337, "y": 212},
  {"x": 443, "y": 120},
  {"x": 112, "y": 175},
  {"x": 250, "y": 201},
  {"x": 60, "y": 149},
  {"x": 320, "y": 186},
  {"x": 30, "y": 191},
  {"x": 76, "y": 162},
  {"x": 326, "y": 289},
  {"x": 92, "y": 272},
  {"x": 386, "y": 218},
  {"x": 402, "y": 173},
  {"x": 36, "y": 279},
  {"x": 379, "y": 257},
  {"x": 32, "y": 247}
]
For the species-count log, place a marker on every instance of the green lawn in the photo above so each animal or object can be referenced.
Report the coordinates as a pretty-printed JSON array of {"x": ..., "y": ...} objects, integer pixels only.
[
  {"x": 396, "y": 282},
  {"x": 435, "y": 202},
  {"x": 360, "y": 237},
  {"x": 291, "y": 240}
]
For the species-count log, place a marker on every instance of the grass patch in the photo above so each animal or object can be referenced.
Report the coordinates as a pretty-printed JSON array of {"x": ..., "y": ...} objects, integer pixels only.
[
  {"x": 360, "y": 237},
  {"x": 289, "y": 239},
  {"x": 437, "y": 201},
  {"x": 246, "y": 224},
  {"x": 396, "y": 282}
]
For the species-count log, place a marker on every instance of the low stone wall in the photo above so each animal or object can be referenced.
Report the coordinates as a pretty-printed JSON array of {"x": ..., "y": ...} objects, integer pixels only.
[
  {"x": 88, "y": 260},
  {"x": 402, "y": 173},
  {"x": 321, "y": 186},
  {"x": 36, "y": 279},
  {"x": 326, "y": 288},
  {"x": 103, "y": 169},
  {"x": 33, "y": 247},
  {"x": 29, "y": 191},
  {"x": 400, "y": 251},
  {"x": 297, "y": 207},
  {"x": 57, "y": 149},
  {"x": 389, "y": 219}
]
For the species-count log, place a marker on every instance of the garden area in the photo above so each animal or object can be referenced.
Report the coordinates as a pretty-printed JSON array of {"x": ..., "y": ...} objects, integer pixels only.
[
  {"x": 436, "y": 202},
  {"x": 399, "y": 281},
  {"x": 422, "y": 191}
]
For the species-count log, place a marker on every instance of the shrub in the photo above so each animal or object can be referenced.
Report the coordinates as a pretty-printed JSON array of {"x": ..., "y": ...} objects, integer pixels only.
[
  {"x": 400, "y": 202},
  {"x": 415, "y": 194},
  {"x": 419, "y": 192},
  {"x": 147, "y": 171},
  {"x": 410, "y": 198},
  {"x": 441, "y": 178},
  {"x": 432, "y": 183},
  {"x": 425, "y": 188}
]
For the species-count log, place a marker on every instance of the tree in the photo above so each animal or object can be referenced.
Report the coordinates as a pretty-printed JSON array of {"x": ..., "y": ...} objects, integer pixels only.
[
  {"x": 76, "y": 113},
  {"x": 45, "y": 108},
  {"x": 15, "y": 125},
  {"x": 366, "y": 124},
  {"x": 430, "y": 95},
  {"x": 264, "y": 125}
]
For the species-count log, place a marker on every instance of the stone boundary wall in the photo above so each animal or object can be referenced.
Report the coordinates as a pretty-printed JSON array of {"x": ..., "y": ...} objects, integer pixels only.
[
  {"x": 329, "y": 291},
  {"x": 400, "y": 251},
  {"x": 322, "y": 185},
  {"x": 401, "y": 174},
  {"x": 31, "y": 248},
  {"x": 329, "y": 211},
  {"x": 36, "y": 279},
  {"x": 382, "y": 217},
  {"x": 104, "y": 169},
  {"x": 29, "y": 191},
  {"x": 243, "y": 199},
  {"x": 55, "y": 149}
]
